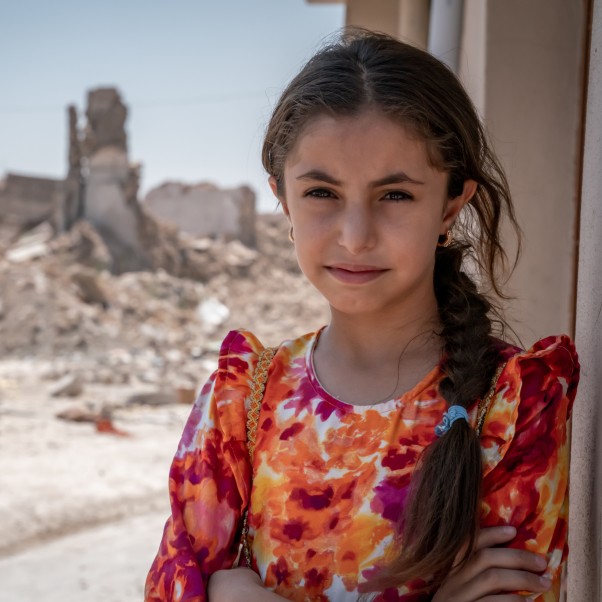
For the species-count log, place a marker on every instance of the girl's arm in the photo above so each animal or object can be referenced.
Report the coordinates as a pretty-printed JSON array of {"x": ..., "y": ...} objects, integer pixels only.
[
  {"x": 490, "y": 570},
  {"x": 209, "y": 484},
  {"x": 239, "y": 584},
  {"x": 526, "y": 453}
]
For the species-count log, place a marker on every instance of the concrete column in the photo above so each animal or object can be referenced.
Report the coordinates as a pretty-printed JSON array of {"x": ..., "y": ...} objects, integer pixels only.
[
  {"x": 585, "y": 519},
  {"x": 445, "y": 30},
  {"x": 378, "y": 15},
  {"x": 472, "y": 59},
  {"x": 413, "y": 25},
  {"x": 527, "y": 82}
]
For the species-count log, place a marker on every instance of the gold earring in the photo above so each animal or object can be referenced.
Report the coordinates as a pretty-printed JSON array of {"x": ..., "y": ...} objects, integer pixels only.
[
  {"x": 291, "y": 235},
  {"x": 449, "y": 237}
]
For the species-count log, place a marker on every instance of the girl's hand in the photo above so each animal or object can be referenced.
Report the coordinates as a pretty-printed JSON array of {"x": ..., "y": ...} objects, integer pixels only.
[
  {"x": 492, "y": 572},
  {"x": 233, "y": 585}
]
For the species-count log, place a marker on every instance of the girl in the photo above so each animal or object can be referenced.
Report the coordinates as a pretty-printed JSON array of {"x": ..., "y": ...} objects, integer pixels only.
[{"x": 398, "y": 446}]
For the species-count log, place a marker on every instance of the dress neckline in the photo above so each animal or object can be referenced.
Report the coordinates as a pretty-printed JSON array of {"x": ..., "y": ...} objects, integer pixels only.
[{"x": 429, "y": 379}]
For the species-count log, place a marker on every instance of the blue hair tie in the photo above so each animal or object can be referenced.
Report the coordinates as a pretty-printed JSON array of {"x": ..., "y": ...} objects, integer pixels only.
[{"x": 453, "y": 413}]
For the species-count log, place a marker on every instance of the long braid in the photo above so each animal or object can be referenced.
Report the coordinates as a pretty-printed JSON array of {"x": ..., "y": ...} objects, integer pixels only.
[{"x": 446, "y": 486}]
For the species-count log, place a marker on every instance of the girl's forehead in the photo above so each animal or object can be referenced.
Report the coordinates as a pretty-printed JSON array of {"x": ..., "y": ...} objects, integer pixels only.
[
  {"x": 367, "y": 121},
  {"x": 369, "y": 138}
]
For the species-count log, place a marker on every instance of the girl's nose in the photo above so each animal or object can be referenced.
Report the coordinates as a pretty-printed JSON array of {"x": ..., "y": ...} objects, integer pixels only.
[{"x": 356, "y": 230}]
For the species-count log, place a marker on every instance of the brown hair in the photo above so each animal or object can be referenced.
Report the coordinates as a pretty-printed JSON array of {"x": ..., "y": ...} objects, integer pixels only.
[{"x": 367, "y": 70}]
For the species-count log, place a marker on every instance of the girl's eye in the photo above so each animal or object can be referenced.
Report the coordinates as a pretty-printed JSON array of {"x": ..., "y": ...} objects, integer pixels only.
[
  {"x": 398, "y": 195},
  {"x": 319, "y": 193}
]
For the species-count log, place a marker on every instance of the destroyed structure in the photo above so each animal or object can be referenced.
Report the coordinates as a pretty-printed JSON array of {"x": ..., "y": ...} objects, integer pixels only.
[
  {"x": 229, "y": 212},
  {"x": 114, "y": 292},
  {"x": 101, "y": 187}
]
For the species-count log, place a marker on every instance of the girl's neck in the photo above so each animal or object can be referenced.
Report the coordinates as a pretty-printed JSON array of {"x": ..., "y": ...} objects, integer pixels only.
[
  {"x": 377, "y": 339},
  {"x": 366, "y": 359}
]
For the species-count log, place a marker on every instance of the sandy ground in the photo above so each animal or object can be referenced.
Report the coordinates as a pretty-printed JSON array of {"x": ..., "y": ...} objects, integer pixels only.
[
  {"x": 81, "y": 512},
  {"x": 102, "y": 564}
]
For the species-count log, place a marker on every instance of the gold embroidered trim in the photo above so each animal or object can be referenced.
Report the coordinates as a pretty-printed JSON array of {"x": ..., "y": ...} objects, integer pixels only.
[
  {"x": 485, "y": 403},
  {"x": 260, "y": 377}
]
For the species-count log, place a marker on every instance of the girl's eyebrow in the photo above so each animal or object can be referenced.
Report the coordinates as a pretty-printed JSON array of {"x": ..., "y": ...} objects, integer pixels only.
[{"x": 399, "y": 177}]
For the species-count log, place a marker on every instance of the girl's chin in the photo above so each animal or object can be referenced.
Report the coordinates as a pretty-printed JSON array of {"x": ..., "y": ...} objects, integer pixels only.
[{"x": 355, "y": 308}]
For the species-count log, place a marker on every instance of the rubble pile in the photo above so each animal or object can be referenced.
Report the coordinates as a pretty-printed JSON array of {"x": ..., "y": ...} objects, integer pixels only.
[{"x": 60, "y": 300}]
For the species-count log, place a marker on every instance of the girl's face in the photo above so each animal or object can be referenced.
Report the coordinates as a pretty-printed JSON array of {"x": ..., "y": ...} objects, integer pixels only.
[{"x": 366, "y": 209}]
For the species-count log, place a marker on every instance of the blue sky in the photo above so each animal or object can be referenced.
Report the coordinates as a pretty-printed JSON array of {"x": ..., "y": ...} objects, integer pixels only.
[{"x": 199, "y": 78}]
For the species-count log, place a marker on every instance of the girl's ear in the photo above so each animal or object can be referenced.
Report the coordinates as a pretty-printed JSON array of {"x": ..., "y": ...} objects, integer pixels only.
[
  {"x": 454, "y": 206},
  {"x": 274, "y": 186}
]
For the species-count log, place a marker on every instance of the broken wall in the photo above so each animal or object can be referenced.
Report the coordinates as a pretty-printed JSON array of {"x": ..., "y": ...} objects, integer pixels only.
[
  {"x": 204, "y": 210},
  {"x": 110, "y": 201},
  {"x": 28, "y": 200}
]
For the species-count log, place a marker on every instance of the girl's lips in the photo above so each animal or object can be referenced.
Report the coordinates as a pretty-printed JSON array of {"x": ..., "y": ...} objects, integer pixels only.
[{"x": 355, "y": 274}]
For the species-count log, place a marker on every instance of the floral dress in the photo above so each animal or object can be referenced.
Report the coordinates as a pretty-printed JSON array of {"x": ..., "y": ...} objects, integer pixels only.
[{"x": 330, "y": 479}]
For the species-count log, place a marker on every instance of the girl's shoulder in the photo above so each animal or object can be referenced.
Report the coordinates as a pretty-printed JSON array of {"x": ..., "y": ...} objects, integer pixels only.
[
  {"x": 240, "y": 351},
  {"x": 550, "y": 360},
  {"x": 533, "y": 396}
]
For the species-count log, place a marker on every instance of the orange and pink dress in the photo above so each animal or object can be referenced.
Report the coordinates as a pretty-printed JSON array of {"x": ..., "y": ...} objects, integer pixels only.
[{"x": 329, "y": 480}]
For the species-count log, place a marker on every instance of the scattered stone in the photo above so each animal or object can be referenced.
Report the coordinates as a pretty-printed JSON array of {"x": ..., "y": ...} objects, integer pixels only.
[
  {"x": 78, "y": 414},
  {"x": 186, "y": 395},
  {"x": 151, "y": 327},
  {"x": 27, "y": 252},
  {"x": 212, "y": 313},
  {"x": 88, "y": 286},
  {"x": 68, "y": 386},
  {"x": 155, "y": 398}
]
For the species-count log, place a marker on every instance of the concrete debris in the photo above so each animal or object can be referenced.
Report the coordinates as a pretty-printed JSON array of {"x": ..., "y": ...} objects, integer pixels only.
[
  {"x": 212, "y": 313},
  {"x": 101, "y": 418},
  {"x": 186, "y": 395},
  {"x": 29, "y": 200},
  {"x": 88, "y": 287},
  {"x": 206, "y": 210},
  {"x": 31, "y": 245},
  {"x": 151, "y": 327},
  {"x": 27, "y": 252},
  {"x": 154, "y": 398},
  {"x": 82, "y": 245},
  {"x": 101, "y": 187},
  {"x": 68, "y": 386},
  {"x": 78, "y": 414}
]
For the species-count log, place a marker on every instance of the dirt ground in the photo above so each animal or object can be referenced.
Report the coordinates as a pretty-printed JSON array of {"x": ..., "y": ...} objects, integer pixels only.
[
  {"x": 81, "y": 511},
  {"x": 97, "y": 376}
]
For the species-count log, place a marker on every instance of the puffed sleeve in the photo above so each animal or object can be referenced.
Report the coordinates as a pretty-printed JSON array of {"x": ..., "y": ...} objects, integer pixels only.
[
  {"x": 526, "y": 451},
  {"x": 209, "y": 481}
]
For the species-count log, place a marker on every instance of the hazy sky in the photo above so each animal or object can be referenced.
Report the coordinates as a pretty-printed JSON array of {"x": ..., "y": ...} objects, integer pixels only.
[{"x": 199, "y": 78}]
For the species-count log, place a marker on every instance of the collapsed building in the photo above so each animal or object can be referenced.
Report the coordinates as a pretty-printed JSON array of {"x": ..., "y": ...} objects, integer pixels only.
[
  {"x": 122, "y": 290},
  {"x": 101, "y": 187}
]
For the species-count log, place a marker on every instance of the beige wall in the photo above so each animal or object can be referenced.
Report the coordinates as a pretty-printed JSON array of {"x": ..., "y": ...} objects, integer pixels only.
[
  {"x": 472, "y": 62},
  {"x": 379, "y": 15},
  {"x": 585, "y": 520},
  {"x": 532, "y": 105},
  {"x": 523, "y": 65}
]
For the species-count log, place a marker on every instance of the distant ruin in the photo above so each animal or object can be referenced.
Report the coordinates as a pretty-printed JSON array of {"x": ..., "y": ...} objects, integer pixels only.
[
  {"x": 26, "y": 201},
  {"x": 229, "y": 213},
  {"x": 101, "y": 187}
]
